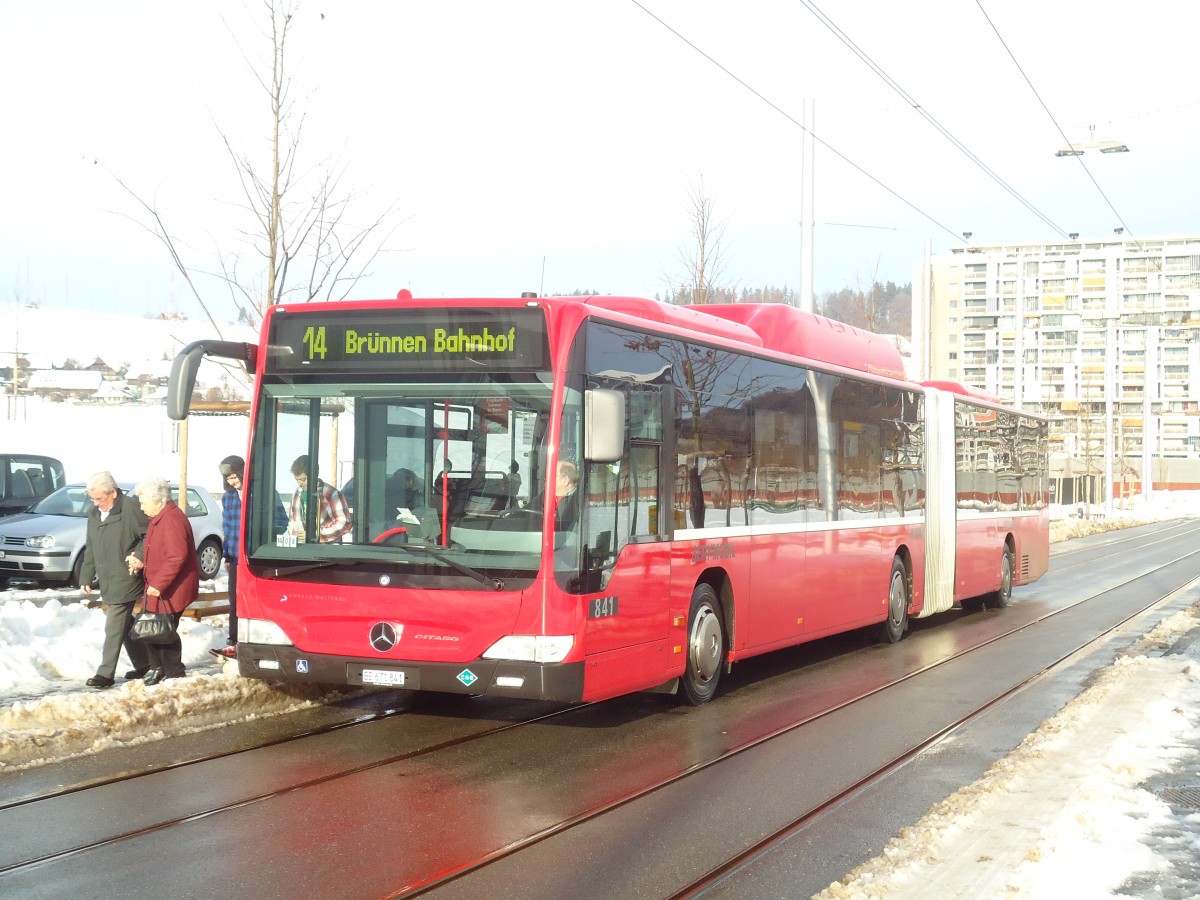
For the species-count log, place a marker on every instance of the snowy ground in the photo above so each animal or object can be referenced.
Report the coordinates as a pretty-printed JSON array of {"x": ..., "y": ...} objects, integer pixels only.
[
  {"x": 50, "y": 645},
  {"x": 1067, "y": 814}
]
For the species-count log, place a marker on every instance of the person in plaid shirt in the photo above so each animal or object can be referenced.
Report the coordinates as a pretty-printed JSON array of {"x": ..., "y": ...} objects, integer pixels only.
[
  {"x": 232, "y": 469},
  {"x": 333, "y": 516}
]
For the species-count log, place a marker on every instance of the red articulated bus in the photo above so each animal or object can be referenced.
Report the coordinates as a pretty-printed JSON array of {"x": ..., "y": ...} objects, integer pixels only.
[{"x": 573, "y": 498}]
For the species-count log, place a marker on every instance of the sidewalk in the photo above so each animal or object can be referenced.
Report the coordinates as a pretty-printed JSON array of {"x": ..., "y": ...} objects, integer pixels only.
[{"x": 1103, "y": 800}]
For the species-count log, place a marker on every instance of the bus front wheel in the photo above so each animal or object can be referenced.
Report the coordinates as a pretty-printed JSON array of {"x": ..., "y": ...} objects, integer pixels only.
[
  {"x": 1008, "y": 566},
  {"x": 896, "y": 623},
  {"x": 705, "y": 646}
]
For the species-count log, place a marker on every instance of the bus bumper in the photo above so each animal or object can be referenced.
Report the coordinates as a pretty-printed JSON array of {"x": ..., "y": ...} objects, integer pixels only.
[{"x": 482, "y": 677}]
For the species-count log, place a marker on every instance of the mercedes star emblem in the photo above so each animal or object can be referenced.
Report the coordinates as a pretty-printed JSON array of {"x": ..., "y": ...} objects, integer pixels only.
[{"x": 384, "y": 636}]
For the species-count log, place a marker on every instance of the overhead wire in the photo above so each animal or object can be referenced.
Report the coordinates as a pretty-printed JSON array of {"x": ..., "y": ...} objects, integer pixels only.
[
  {"x": 1013, "y": 57},
  {"x": 792, "y": 119},
  {"x": 925, "y": 114}
]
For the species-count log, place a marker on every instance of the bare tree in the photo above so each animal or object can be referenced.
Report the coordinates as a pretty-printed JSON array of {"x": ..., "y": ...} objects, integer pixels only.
[
  {"x": 881, "y": 308},
  {"x": 702, "y": 259},
  {"x": 1089, "y": 441},
  {"x": 1125, "y": 454},
  {"x": 302, "y": 231},
  {"x": 870, "y": 297}
]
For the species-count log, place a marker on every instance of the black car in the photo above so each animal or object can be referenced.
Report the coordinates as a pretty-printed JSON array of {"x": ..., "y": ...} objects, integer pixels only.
[{"x": 27, "y": 478}]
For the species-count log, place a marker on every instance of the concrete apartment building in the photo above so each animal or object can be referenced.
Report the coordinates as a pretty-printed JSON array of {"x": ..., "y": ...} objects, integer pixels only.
[{"x": 1101, "y": 336}]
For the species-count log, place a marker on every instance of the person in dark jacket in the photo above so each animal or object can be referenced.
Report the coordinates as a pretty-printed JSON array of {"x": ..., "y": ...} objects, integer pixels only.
[
  {"x": 232, "y": 468},
  {"x": 171, "y": 572},
  {"x": 116, "y": 528},
  {"x": 566, "y": 493}
]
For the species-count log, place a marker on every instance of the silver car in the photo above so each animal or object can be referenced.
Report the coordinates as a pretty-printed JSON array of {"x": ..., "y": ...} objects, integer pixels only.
[{"x": 45, "y": 545}]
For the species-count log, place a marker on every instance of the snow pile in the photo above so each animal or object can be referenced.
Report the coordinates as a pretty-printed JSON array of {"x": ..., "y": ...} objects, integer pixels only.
[
  {"x": 1065, "y": 814},
  {"x": 67, "y": 725},
  {"x": 51, "y": 645},
  {"x": 1066, "y": 522}
]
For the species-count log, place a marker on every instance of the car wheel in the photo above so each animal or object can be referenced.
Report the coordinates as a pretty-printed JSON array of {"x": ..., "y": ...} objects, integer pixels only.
[
  {"x": 210, "y": 556},
  {"x": 77, "y": 571}
]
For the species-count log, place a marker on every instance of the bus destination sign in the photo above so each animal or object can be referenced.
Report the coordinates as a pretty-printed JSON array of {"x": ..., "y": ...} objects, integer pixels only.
[{"x": 422, "y": 340}]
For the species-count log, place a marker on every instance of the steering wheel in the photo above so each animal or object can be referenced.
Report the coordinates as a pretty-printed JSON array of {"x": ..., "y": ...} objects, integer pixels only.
[{"x": 391, "y": 533}]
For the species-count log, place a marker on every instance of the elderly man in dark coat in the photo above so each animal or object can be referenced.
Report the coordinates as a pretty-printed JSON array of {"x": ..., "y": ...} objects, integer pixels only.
[{"x": 116, "y": 528}]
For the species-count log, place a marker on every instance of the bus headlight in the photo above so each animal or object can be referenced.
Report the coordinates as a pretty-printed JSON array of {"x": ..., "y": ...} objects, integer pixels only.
[
  {"x": 538, "y": 648},
  {"x": 260, "y": 631}
]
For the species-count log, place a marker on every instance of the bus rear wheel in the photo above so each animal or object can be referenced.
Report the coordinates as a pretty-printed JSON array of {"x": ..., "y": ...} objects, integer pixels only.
[
  {"x": 896, "y": 623},
  {"x": 1008, "y": 566},
  {"x": 705, "y": 647}
]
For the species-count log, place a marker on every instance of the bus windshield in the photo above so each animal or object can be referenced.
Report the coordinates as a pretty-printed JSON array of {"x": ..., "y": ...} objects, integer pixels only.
[{"x": 436, "y": 478}]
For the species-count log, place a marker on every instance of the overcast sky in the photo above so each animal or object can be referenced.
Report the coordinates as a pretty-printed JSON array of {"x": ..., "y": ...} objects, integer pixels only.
[{"x": 566, "y": 135}]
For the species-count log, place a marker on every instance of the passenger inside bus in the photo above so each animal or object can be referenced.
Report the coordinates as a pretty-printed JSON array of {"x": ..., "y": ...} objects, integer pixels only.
[
  {"x": 449, "y": 493},
  {"x": 333, "y": 513},
  {"x": 512, "y": 484},
  {"x": 566, "y": 494},
  {"x": 401, "y": 490}
]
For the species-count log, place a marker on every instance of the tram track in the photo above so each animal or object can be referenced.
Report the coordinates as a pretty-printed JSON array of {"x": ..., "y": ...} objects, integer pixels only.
[
  {"x": 90, "y": 783},
  {"x": 477, "y": 744},
  {"x": 731, "y": 867},
  {"x": 167, "y": 823},
  {"x": 1119, "y": 541},
  {"x": 747, "y": 857}
]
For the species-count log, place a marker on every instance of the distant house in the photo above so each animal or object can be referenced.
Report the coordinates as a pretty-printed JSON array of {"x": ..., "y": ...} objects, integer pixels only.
[
  {"x": 113, "y": 393},
  {"x": 99, "y": 365},
  {"x": 144, "y": 377},
  {"x": 6, "y": 366},
  {"x": 61, "y": 383}
]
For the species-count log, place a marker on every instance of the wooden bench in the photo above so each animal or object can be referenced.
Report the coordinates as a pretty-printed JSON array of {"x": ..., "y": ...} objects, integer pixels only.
[{"x": 213, "y": 604}]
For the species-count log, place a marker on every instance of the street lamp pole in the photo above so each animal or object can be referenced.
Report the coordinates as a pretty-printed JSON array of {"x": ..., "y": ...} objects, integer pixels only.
[
  {"x": 1110, "y": 350},
  {"x": 1110, "y": 344},
  {"x": 808, "y": 205},
  {"x": 1149, "y": 376}
]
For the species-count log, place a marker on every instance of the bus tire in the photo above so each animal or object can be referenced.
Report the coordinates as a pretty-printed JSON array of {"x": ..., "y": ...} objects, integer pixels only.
[
  {"x": 1008, "y": 565},
  {"x": 705, "y": 647},
  {"x": 896, "y": 624}
]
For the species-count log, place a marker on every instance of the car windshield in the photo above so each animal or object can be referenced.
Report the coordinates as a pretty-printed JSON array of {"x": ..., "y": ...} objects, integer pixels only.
[{"x": 72, "y": 500}]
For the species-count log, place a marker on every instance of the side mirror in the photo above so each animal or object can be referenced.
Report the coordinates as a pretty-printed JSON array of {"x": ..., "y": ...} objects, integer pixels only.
[
  {"x": 603, "y": 425},
  {"x": 187, "y": 361}
]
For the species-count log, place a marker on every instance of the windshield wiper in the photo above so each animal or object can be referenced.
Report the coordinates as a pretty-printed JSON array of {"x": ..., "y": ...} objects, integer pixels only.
[
  {"x": 308, "y": 567},
  {"x": 496, "y": 584}
]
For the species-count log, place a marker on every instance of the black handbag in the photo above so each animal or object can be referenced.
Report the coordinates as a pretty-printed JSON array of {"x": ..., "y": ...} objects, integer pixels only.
[{"x": 153, "y": 628}]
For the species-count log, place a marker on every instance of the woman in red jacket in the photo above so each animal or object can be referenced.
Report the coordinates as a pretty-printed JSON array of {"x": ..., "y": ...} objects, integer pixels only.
[{"x": 171, "y": 571}]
